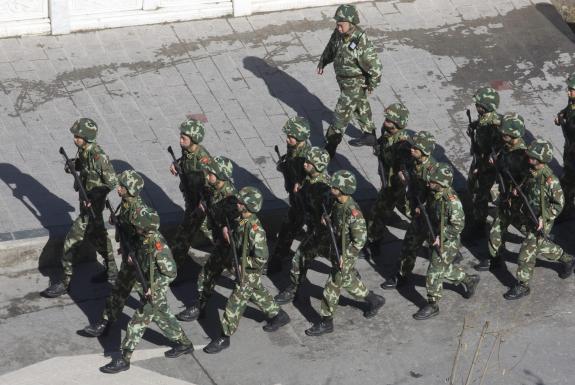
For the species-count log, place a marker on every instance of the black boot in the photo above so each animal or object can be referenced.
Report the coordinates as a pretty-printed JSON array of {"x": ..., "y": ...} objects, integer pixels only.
[
  {"x": 218, "y": 345},
  {"x": 96, "y": 330},
  {"x": 322, "y": 327},
  {"x": 396, "y": 281},
  {"x": 483, "y": 265},
  {"x": 117, "y": 365},
  {"x": 470, "y": 284},
  {"x": 567, "y": 269},
  {"x": 287, "y": 295},
  {"x": 428, "y": 311},
  {"x": 375, "y": 302},
  {"x": 178, "y": 350},
  {"x": 520, "y": 290},
  {"x": 366, "y": 139},
  {"x": 191, "y": 313},
  {"x": 277, "y": 321},
  {"x": 332, "y": 142},
  {"x": 55, "y": 290}
]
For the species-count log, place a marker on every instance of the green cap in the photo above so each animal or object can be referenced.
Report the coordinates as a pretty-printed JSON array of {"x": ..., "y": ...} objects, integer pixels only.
[
  {"x": 318, "y": 157},
  {"x": 132, "y": 181},
  {"x": 541, "y": 150},
  {"x": 252, "y": 198},
  {"x": 297, "y": 127},
  {"x": 221, "y": 167},
  {"x": 442, "y": 175},
  {"x": 424, "y": 142},
  {"x": 512, "y": 125},
  {"x": 398, "y": 114},
  {"x": 85, "y": 128},
  {"x": 487, "y": 98},
  {"x": 344, "y": 181},
  {"x": 347, "y": 12},
  {"x": 194, "y": 129}
]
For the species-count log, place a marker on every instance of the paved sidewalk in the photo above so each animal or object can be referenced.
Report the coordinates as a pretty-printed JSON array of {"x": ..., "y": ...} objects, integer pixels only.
[{"x": 248, "y": 75}]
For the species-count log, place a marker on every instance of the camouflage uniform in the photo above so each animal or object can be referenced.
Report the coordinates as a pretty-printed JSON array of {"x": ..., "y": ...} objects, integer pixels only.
[
  {"x": 291, "y": 166},
  {"x": 485, "y": 139},
  {"x": 192, "y": 165},
  {"x": 358, "y": 70},
  {"x": 392, "y": 152},
  {"x": 447, "y": 220},
  {"x": 566, "y": 119},
  {"x": 544, "y": 194}
]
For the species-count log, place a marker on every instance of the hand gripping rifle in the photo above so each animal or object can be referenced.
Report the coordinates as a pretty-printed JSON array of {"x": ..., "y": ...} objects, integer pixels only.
[
  {"x": 78, "y": 182},
  {"x": 281, "y": 168},
  {"x": 183, "y": 177},
  {"x": 331, "y": 234},
  {"x": 125, "y": 249},
  {"x": 471, "y": 134},
  {"x": 494, "y": 155},
  {"x": 235, "y": 258}
]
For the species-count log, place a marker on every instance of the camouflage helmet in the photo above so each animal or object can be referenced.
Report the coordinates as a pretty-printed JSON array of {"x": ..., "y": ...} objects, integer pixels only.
[
  {"x": 252, "y": 198},
  {"x": 571, "y": 81},
  {"x": 221, "y": 167},
  {"x": 297, "y": 127},
  {"x": 512, "y": 125},
  {"x": 541, "y": 150},
  {"x": 318, "y": 157},
  {"x": 424, "y": 142},
  {"x": 146, "y": 219},
  {"x": 344, "y": 181},
  {"x": 85, "y": 128},
  {"x": 442, "y": 175},
  {"x": 194, "y": 129},
  {"x": 487, "y": 98},
  {"x": 347, "y": 13},
  {"x": 398, "y": 114},
  {"x": 132, "y": 181}
]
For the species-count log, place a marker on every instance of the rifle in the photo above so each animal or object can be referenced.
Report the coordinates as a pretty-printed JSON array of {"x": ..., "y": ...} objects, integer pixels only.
[
  {"x": 471, "y": 133},
  {"x": 298, "y": 198},
  {"x": 235, "y": 258},
  {"x": 331, "y": 234},
  {"x": 494, "y": 156},
  {"x": 125, "y": 249},
  {"x": 78, "y": 182},
  {"x": 381, "y": 172},
  {"x": 181, "y": 174}
]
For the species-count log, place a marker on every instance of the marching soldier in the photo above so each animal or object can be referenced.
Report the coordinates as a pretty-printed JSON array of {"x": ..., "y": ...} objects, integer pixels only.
[
  {"x": 349, "y": 230},
  {"x": 358, "y": 72},
  {"x": 161, "y": 269},
  {"x": 422, "y": 165},
  {"x": 485, "y": 139},
  {"x": 251, "y": 246},
  {"x": 291, "y": 166},
  {"x": 566, "y": 119},
  {"x": 544, "y": 202},
  {"x": 447, "y": 219},
  {"x": 511, "y": 161},
  {"x": 315, "y": 191},
  {"x": 98, "y": 178}
]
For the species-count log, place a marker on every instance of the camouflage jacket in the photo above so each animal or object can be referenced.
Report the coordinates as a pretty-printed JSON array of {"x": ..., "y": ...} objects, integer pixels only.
[
  {"x": 349, "y": 226},
  {"x": 419, "y": 171},
  {"x": 353, "y": 57},
  {"x": 96, "y": 172},
  {"x": 486, "y": 137},
  {"x": 156, "y": 258},
  {"x": 544, "y": 194},
  {"x": 315, "y": 191},
  {"x": 513, "y": 159},
  {"x": 446, "y": 213},
  {"x": 251, "y": 243},
  {"x": 291, "y": 166},
  {"x": 222, "y": 206},
  {"x": 393, "y": 152},
  {"x": 191, "y": 164},
  {"x": 567, "y": 121},
  {"x": 128, "y": 209}
]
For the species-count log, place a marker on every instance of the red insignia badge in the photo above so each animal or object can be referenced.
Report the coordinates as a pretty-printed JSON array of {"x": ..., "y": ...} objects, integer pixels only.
[
  {"x": 255, "y": 227},
  {"x": 159, "y": 245},
  {"x": 354, "y": 212}
]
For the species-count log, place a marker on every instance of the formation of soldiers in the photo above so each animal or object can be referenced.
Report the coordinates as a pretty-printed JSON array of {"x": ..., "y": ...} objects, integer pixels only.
[{"x": 322, "y": 212}]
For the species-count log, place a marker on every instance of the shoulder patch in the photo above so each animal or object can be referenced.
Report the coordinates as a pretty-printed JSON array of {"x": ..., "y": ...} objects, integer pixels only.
[
  {"x": 451, "y": 197},
  {"x": 549, "y": 179},
  {"x": 159, "y": 245},
  {"x": 355, "y": 212},
  {"x": 255, "y": 227},
  {"x": 205, "y": 160},
  {"x": 96, "y": 156}
]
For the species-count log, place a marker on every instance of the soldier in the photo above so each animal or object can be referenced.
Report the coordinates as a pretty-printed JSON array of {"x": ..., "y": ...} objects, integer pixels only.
[
  {"x": 221, "y": 207},
  {"x": 315, "y": 191},
  {"x": 392, "y": 152},
  {"x": 485, "y": 139},
  {"x": 422, "y": 165},
  {"x": 251, "y": 246},
  {"x": 98, "y": 178},
  {"x": 161, "y": 269},
  {"x": 566, "y": 119},
  {"x": 544, "y": 196},
  {"x": 350, "y": 233},
  {"x": 358, "y": 72},
  {"x": 291, "y": 166},
  {"x": 194, "y": 158},
  {"x": 447, "y": 218},
  {"x": 511, "y": 160}
]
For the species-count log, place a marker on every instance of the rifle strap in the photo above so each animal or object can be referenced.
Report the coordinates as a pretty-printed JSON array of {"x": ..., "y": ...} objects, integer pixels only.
[
  {"x": 245, "y": 244},
  {"x": 345, "y": 226},
  {"x": 441, "y": 225}
]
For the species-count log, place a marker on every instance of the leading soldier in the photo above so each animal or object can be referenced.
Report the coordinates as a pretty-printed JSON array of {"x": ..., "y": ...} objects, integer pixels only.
[{"x": 358, "y": 72}]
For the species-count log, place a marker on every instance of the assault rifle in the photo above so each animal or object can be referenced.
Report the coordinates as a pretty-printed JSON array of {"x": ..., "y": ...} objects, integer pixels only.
[
  {"x": 331, "y": 234},
  {"x": 235, "y": 258},
  {"x": 125, "y": 249},
  {"x": 179, "y": 171},
  {"x": 78, "y": 182},
  {"x": 494, "y": 155},
  {"x": 281, "y": 168}
]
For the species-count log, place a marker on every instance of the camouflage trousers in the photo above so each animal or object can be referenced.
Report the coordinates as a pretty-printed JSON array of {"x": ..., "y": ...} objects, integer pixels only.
[
  {"x": 534, "y": 245},
  {"x": 184, "y": 235},
  {"x": 479, "y": 187},
  {"x": 218, "y": 260},
  {"x": 346, "y": 278},
  {"x": 251, "y": 289},
  {"x": 441, "y": 268},
  {"x": 505, "y": 217},
  {"x": 352, "y": 103},
  {"x": 120, "y": 292},
  {"x": 311, "y": 247},
  {"x": 414, "y": 237},
  {"x": 387, "y": 199},
  {"x": 94, "y": 231},
  {"x": 289, "y": 229},
  {"x": 156, "y": 311},
  {"x": 568, "y": 177}
]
